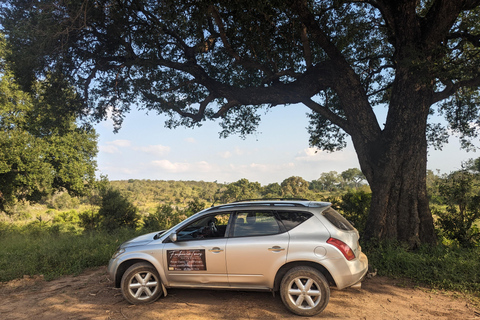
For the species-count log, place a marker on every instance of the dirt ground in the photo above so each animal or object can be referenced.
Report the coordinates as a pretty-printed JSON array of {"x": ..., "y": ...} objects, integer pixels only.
[{"x": 91, "y": 296}]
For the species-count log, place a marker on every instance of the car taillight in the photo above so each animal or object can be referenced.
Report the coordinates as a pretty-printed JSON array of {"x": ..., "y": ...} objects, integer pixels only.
[{"x": 343, "y": 247}]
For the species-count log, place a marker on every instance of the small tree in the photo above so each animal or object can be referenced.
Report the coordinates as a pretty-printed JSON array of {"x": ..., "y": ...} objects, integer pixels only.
[
  {"x": 116, "y": 211},
  {"x": 272, "y": 190},
  {"x": 193, "y": 207},
  {"x": 294, "y": 187},
  {"x": 241, "y": 190},
  {"x": 460, "y": 192},
  {"x": 329, "y": 180},
  {"x": 352, "y": 177},
  {"x": 164, "y": 218}
]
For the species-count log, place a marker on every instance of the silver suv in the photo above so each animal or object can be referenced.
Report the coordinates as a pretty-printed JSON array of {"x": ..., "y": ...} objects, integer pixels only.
[{"x": 298, "y": 248}]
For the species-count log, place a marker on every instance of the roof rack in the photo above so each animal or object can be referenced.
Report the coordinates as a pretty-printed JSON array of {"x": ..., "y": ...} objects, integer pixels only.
[
  {"x": 272, "y": 199},
  {"x": 295, "y": 202}
]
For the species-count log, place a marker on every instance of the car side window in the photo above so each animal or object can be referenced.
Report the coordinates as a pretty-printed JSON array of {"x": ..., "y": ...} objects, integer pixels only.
[
  {"x": 255, "y": 223},
  {"x": 208, "y": 227},
  {"x": 291, "y": 219}
]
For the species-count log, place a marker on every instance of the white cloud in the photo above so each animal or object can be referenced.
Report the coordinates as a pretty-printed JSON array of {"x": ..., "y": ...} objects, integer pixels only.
[
  {"x": 269, "y": 167},
  {"x": 108, "y": 149},
  {"x": 190, "y": 140},
  {"x": 315, "y": 155},
  {"x": 120, "y": 143},
  {"x": 157, "y": 150},
  {"x": 182, "y": 167},
  {"x": 240, "y": 152},
  {"x": 225, "y": 154}
]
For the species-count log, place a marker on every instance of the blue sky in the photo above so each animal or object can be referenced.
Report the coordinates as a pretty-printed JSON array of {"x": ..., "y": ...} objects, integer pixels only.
[{"x": 145, "y": 149}]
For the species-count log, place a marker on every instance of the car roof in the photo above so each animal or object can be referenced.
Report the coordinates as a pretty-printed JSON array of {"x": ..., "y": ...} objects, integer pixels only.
[{"x": 286, "y": 203}]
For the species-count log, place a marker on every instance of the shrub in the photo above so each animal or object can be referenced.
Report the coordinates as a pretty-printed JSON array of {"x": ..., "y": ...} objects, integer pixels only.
[
  {"x": 64, "y": 201},
  {"x": 68, "y": 217},
  {"x": 164, "y": 218},
  {"x": 89, "y": 220},
  {"x": 193, "y": 207},
  {"x": 116, "y": 211},
  {"x": 459, "y": 191},
  {"x": 355, "y": 207}
]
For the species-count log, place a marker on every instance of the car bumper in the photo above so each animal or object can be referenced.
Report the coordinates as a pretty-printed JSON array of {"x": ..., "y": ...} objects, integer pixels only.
[
  {"x": 353, "y": 273},
  {"x": 112, "y": 269}
]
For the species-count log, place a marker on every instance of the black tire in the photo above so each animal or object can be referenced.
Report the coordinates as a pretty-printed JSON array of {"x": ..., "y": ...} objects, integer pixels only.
[
  {"x": 141, "y": 284},
  {"x": 304, "y": 291}
]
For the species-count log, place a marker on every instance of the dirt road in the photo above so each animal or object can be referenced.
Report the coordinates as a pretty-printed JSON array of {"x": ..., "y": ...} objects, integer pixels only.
[{"x": 92, "y": 296}]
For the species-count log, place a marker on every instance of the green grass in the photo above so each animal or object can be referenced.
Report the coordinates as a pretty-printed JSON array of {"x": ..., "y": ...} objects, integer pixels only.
[
  {"x": 53, "y": 254},
  {"x": 440, "y": 267}
]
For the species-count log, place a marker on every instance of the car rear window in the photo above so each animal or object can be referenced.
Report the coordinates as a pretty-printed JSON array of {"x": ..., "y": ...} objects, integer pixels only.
[
  {"x": 291, "y": 219},
  {"x": 337, "y": 219}
]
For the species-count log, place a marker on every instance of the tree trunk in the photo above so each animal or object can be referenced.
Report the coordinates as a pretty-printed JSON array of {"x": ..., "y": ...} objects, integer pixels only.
[
  {"x": 395, "y": 165},
  {"x": 399, "y": 208}
]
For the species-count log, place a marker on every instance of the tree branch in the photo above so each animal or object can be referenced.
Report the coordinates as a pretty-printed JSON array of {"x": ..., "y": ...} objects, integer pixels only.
[
  {"x": 325, "y": 112},
  {"x": 473, "y": 39},
  {"x": 197, "y": 117},
  {"x": 223, "y": 36},
  {"x": 307, "y": 52},
  {"x": 439, "y": 19},
  {"x": 229, "y": 105},
  {"x": 451, "y": 88},
  {"x": 470, "y": 4}
]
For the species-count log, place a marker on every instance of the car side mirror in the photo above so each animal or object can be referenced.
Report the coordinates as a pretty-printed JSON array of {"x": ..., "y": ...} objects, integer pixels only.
[{"x": 173, "y": 237}]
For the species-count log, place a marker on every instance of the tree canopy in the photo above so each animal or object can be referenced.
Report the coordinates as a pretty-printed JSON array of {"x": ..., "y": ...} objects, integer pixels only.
[
  {"x": 41, "y": 147},
  {"x": 228, "y": 60}
]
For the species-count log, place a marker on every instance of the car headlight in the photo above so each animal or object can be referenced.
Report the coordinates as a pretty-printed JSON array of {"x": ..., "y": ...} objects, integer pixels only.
[{"x": 118, "y": 252}]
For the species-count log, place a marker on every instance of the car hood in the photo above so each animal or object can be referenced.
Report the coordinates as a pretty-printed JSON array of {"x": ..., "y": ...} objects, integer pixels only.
[{"x": 141, "y": 240}]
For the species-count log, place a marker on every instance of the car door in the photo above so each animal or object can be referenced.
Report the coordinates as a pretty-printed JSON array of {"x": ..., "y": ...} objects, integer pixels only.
[
  {"x": 256, "y": 248},
  {"x": 197, "y": 257}
]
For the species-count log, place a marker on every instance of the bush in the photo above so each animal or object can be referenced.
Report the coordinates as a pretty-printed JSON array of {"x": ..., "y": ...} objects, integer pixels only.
[
  {"x": 62, "y": 201},
  {"x": 193, "y": 207},
  {"x": 164, "y": 218},
  {"x": 116, "y": 211},
  {"x": 355, "y": 207},
  {"x": 68, "y": 217},
  {"x": 459, "y": 192},
  {"x": 89, "y": 220}
]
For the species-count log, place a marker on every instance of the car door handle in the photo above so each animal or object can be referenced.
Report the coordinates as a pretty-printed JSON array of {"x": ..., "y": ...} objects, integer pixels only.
[
  {"x": 215, "y": 250},
  {"x": 276, "y": 249}
]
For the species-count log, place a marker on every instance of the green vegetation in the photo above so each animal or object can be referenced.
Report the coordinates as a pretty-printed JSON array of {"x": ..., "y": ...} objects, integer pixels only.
[
  {"x": 442, "y": 266},
  {"x": 42, "y": 148},
  {"x": 65, "y": 234},
  {"x": 48, "y": 249}
]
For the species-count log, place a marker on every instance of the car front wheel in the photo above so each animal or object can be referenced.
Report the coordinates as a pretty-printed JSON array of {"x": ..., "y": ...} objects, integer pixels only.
[
  {"x": 304, "y": 291},
  {"x": 141, "y": 284}
]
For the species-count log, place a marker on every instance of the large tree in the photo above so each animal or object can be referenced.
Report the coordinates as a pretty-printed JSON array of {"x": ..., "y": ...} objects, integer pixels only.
[
  {"x": 42, "y": 148},
  {"x": 200, "y": 60}
]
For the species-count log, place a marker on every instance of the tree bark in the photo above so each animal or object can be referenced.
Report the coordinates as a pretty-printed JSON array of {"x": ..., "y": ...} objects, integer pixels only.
[
  {"x": 399, "y": 208},
  {"x": 395, "y": 165}
]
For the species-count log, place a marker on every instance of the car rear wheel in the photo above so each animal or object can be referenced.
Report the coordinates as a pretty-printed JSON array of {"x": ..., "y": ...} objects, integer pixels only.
[
  {"x": 304, "y": 291},
  {"x": 141, "y": 284}
]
